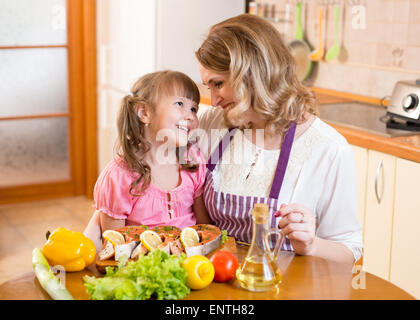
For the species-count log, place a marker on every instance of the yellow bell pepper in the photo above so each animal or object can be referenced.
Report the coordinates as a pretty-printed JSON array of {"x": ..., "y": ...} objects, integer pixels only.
[{"x": 70, "y": 249}]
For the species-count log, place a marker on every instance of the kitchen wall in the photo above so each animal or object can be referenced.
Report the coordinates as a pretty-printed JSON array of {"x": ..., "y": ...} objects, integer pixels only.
[
  {"x": 379, "y": 39},
  {"x": 123, "y": 28}
]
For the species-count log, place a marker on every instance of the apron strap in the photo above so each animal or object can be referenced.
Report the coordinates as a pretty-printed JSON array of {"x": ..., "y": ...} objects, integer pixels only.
[
  {"x": 281, "y": 164},
  {"x": 218, "y": 152},
  {"x": 283, "y": 161}
]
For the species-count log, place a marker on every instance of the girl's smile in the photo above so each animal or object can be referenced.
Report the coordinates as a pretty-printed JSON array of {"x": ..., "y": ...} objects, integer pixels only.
[{"x": 183, "y": 126}]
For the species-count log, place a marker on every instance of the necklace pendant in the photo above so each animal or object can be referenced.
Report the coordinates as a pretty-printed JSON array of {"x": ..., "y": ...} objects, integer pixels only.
[{"x": 253, "y": 164}]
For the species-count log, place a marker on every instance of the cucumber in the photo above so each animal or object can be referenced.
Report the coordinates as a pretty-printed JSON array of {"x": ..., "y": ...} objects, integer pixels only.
[{"x": 46, "y": 277}]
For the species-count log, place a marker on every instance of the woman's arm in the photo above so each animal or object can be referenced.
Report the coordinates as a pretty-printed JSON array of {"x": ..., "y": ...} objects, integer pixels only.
[
  {"x": 298, "y": 223},
  {"x": 200, "y": 211},
  {"x": 338, "y": 231},
  {"x": 330, "y": 250}
]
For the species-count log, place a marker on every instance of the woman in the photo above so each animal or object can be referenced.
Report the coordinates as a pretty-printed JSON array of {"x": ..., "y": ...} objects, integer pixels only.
[{"x": 291, "y": 160}]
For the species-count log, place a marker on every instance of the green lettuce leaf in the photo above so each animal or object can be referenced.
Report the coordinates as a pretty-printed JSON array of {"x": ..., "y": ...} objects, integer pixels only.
[
  {"x": 157, "y": 275},
  {"x": 224, "y": 236}
]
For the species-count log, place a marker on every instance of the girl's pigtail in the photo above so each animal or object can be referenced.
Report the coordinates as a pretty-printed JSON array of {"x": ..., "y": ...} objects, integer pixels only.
[{"x": 132, "y": 144}]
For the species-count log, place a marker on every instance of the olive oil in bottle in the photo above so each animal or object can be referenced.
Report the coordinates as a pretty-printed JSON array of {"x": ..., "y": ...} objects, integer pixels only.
[
  {"x": 259, "y": 276},
  {"x": 259, "y": 272}
]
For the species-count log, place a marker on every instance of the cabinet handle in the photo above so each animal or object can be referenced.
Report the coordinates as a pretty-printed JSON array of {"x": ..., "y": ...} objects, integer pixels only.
[{"x": 380, "y": 166}]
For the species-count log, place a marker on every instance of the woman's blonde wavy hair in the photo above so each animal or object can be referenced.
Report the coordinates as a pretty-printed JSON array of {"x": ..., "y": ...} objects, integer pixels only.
[
  {"x": 132, "y": 146},
  {"x": 261, "y": 71}
]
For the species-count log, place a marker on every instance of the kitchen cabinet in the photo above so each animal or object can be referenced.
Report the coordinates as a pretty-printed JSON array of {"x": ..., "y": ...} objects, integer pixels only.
[
  {"x": 389, "y": 212},
  {"x": 405, "y": 254},
  {"x": 361, "y": 162},
  {"x": 379, "y": 213}
]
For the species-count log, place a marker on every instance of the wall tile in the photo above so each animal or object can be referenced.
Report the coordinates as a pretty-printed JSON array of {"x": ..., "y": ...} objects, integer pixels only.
[
  {"x": 384, "y": 55},
  {"x": 414, "y": 11},
  {"x": 387, "y": 51},
  {"x": 412, "y": 60},
  {"x": 401, "y": 11},
  {"x": 374, "y": 32},
  {"x": 355, "y": 52},
  {"x": 369, "y": 53},
  {"x": 359, "y": 79},
  {"x": 383, "y": 33},
  {"x": 373, "y": 10},
  {"x": 399, "y": 34},
  {"x": 414, "y": 34},
  {"x": 385, "y": 11}
]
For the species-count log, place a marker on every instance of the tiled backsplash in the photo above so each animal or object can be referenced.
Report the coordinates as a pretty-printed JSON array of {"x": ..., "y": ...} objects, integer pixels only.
[{"x": 380, "y": 42}]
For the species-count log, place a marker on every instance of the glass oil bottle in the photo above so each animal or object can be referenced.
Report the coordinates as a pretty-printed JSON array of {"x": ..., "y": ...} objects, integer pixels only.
[{"x": 259, "y": 272}]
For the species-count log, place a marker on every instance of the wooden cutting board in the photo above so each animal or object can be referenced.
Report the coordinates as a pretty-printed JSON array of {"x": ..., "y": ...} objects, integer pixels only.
[{"x": 229, "y": 245}]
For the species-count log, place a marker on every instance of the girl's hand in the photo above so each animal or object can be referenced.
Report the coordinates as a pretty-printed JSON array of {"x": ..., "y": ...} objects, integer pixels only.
[{"x": 298, "y": 223}]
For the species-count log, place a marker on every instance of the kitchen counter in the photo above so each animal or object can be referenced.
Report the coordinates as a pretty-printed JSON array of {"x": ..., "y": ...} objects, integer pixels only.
[
  {"x": 304, "y": 277},
  {"x": 405, "y": 147}
]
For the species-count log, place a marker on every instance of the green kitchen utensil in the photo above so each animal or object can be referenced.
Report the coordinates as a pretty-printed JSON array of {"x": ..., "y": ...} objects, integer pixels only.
[
  {"x": 299, "y": 28},
  {"x": 299, "y": 49},
  {"x": 334, "y": 51}
]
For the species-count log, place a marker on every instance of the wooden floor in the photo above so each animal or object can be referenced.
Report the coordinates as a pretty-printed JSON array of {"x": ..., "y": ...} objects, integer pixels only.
[{"x": 23, "y": 227}]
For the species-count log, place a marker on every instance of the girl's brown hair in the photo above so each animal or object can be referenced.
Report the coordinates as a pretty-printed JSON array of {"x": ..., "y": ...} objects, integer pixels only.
[
  {"x": 132, "y": 146},
  {"x": 261, "y": 71}
]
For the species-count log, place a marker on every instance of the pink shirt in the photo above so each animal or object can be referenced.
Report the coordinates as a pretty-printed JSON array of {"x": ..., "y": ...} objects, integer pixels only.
[{"x": 111, "y": 195}]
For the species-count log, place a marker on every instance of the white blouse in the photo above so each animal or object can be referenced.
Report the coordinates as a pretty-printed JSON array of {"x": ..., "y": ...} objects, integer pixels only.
[{"x": 320, "y": 175}]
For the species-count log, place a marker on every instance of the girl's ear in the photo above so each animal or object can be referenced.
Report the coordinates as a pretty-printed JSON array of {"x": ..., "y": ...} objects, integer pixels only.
[{"x": 144, "y": 113}]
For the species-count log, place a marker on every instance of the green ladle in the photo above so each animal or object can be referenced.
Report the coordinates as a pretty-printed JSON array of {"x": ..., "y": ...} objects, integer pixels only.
[{"x": 334, "y": 51}]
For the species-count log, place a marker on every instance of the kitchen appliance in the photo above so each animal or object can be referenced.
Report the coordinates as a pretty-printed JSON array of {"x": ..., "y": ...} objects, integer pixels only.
[
  {"x": 366, "y": 117},
  {"x": 404, "y": 107}
]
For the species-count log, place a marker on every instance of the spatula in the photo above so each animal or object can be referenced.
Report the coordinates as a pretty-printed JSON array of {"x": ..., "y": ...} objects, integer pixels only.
[
  {"x": 334, "y": 51},
  {"x": 318, "y": 54}
]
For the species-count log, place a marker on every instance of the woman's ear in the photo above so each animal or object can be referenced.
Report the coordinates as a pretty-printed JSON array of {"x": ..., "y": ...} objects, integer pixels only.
[{"x": 144, "y": 113}]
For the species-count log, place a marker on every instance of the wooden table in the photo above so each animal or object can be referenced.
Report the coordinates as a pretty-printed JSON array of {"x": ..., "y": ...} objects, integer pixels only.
[{"x": 304, "y": 277}]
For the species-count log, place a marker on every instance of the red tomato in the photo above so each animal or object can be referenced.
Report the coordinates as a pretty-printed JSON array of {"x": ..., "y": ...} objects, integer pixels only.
[{"x": 225, "y": 265}]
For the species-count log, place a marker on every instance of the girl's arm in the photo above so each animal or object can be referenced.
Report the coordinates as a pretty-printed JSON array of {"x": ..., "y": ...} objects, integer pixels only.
[
  {"x": 93, "y": 230},
  {"x": 98, "y": 224},
  {"x": 200, "y": 211},
  {"x": 108, "y": 223}
]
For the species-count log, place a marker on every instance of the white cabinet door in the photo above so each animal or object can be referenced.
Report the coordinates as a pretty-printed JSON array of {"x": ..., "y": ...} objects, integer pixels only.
[
  {"x": 361, "y": 162},
  {"x": 379, "y": 210},
  {"x": 405, "y": 260}
]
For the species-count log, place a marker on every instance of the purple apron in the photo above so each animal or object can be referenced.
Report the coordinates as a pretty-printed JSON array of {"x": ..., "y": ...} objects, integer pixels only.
[{"x": 231, "y": 212}]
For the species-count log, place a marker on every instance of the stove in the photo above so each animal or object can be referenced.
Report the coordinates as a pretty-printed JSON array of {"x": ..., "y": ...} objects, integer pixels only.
[{"x": 365, "y": 117}]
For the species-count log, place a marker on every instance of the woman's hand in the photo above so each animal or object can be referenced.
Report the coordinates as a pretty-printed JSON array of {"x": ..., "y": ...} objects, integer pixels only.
[{"x": 298, "y": 223}]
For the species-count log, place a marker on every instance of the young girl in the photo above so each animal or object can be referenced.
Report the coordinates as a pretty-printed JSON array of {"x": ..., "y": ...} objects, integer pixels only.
[{"x": 156, "y": 178}]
